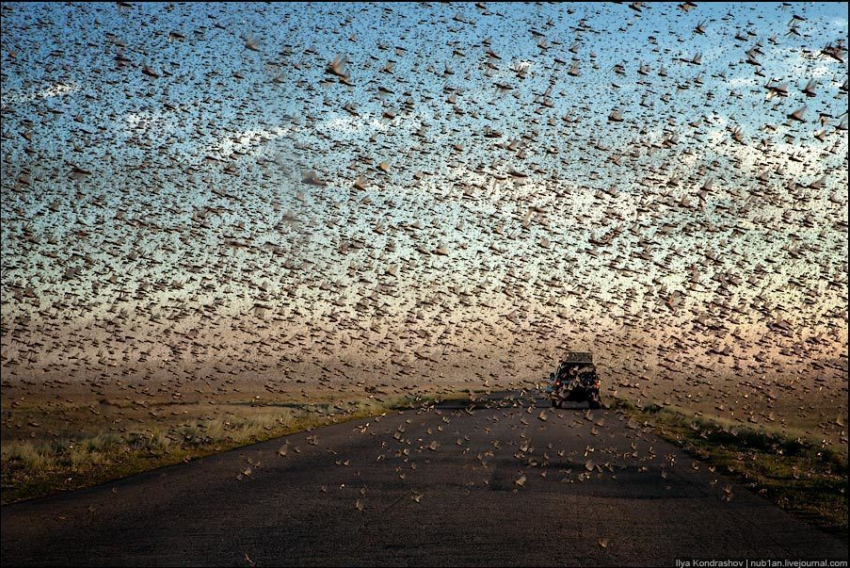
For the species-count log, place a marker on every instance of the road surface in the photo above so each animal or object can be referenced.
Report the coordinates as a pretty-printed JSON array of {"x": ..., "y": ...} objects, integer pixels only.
[{"x": 497, "y": 485}]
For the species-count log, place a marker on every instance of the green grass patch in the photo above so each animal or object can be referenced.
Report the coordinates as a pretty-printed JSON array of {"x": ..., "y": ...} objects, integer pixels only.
[{"x": 800, "y": 475}]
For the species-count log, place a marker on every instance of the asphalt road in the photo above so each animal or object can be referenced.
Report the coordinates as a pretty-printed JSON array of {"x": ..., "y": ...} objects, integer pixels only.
[{"x": 449, "y": 486}]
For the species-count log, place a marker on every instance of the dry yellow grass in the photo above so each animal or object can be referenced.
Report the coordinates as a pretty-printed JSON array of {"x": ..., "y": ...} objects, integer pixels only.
[{"x": 65, "y": 447}]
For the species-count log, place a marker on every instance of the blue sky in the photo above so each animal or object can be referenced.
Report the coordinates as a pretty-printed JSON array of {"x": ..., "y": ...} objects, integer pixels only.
[{"x": 196, "y": 193}]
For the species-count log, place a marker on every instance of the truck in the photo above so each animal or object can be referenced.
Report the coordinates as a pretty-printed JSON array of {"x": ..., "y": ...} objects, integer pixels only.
[{"x": 575, "y": 381}]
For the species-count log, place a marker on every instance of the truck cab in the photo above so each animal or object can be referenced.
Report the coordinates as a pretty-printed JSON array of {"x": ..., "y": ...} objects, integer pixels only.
[{"x": 576, "y": 380}]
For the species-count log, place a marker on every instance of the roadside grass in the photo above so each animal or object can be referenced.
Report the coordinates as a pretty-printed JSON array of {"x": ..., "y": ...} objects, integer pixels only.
[
  {"x": 38, "y": 467},
  {"x": 800, "y": 475}
]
